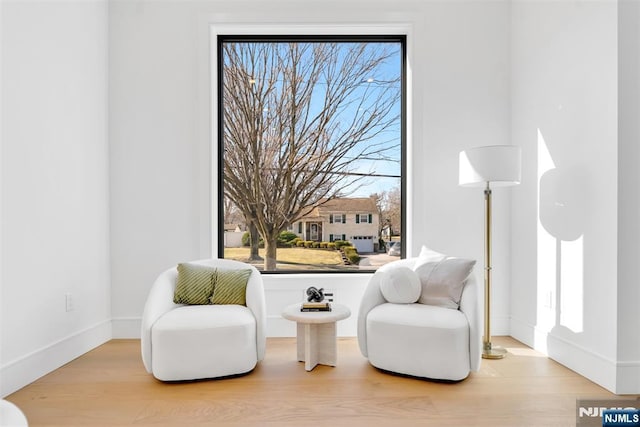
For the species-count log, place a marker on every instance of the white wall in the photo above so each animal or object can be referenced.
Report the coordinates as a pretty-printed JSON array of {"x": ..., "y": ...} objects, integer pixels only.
[
  {"x": 55, "y": 234},
  {"x": 565, "y": 214},
  {"x": 462, "y": 101},
  {"x": 160, "y": 111},
  {"x": 541, "y": 75},
  {"x": 628, "y": 378}
]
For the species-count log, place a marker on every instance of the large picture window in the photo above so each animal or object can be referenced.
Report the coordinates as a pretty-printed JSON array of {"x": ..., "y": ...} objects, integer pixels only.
[{"x": 311, "y": 141}]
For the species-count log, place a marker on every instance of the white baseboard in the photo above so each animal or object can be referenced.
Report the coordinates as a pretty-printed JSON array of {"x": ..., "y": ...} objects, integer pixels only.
[
  {"x": 23, "y": 371},
  {"x": 628, "y": 381},
  {"x": 126, "y": 327},
  {"x": 523, "y": 332},
  {"x": 617, "y": 377},
  {"x": 500, "y": 325},
  {"x": 585, "y": 362}
]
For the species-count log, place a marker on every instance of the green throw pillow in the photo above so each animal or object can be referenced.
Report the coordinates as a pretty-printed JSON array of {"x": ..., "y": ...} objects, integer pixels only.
[
  {"x": 195, "y": 284},
  {"x": 231, "y": 287}
]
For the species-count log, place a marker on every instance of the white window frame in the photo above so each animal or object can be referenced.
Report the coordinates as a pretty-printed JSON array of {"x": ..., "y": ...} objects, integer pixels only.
[
  {"x": 360, "y": 220},
  {"x": 343, "y": 218},
  {"x": 235, "y": 25}
]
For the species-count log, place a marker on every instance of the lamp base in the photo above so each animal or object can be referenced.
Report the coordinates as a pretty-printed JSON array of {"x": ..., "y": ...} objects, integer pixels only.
[{"x": 493, "y": 352}]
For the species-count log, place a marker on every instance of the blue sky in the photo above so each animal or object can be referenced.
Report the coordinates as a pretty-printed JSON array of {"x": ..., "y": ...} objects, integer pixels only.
[{"x": 371, "y": 85}]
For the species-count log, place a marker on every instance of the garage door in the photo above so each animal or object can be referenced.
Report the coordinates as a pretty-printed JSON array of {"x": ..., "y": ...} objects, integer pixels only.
[{"x": 364, "y": 244}]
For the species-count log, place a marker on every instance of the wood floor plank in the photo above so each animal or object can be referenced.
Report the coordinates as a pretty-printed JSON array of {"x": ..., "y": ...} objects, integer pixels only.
[{"x": 109, "y": 387}]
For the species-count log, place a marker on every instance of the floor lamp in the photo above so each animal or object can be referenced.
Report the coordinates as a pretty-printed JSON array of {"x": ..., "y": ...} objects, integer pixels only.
[{"x": 490, "y": 166}]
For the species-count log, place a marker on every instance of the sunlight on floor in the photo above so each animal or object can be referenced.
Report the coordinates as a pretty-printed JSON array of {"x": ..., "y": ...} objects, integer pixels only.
[{"x": 529, "y": 352}]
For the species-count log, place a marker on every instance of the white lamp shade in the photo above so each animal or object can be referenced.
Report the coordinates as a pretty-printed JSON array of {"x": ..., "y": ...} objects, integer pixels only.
[{"x": 495, "y": 164}]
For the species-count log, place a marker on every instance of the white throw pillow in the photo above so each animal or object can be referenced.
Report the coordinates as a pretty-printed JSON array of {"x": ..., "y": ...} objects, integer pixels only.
[
  {"x": 399, "y": 285},
  {"x": 442, "y": 282},
  {"x": 428, "y": 255}
]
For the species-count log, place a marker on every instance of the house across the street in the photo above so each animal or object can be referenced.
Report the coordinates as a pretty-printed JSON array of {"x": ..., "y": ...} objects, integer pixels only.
[{"x": 353, "y": 219}]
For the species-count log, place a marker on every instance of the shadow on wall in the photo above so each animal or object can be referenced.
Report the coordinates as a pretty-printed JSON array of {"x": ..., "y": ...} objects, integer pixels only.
[{"x": 562, "y": 206}]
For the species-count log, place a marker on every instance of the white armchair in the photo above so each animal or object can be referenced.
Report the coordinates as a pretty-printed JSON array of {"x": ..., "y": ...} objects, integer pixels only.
[
  {"x": 420, "y": 339},
  {"x": 186, "y": 342}
]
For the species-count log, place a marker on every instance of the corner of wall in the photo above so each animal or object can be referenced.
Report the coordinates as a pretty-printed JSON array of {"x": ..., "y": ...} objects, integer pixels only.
[{"x": 16, "y": 374}]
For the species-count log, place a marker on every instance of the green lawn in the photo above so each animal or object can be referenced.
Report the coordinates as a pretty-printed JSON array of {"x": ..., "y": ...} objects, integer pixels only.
[{"x": 293, "y": 258}]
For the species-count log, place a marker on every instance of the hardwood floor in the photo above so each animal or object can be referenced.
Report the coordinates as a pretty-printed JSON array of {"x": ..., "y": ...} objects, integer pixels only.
[{"x": 109, "y": 387}]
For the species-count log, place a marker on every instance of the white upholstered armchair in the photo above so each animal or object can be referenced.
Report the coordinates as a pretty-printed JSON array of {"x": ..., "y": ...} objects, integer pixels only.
[
  {"x": 410, "y": 322},
  {"x": 208, "y": 338}
]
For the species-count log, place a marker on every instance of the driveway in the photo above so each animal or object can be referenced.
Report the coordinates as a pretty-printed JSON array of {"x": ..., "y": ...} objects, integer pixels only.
[{"x": 373, "y": 260}]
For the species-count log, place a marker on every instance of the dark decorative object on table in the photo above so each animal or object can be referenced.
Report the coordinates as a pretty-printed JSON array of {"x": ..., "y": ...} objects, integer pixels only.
[{"x": 314, "y": 294}]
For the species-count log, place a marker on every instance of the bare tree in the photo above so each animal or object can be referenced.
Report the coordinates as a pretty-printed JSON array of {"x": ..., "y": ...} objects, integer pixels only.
[
  {"x": 234, "y": 215},
  {"x": 389, "y": 204},
  {"x": 297, "y": 119}
]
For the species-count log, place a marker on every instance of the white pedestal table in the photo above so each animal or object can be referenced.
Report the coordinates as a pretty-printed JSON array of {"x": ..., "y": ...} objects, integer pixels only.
[{"x": 316, "y": 333}]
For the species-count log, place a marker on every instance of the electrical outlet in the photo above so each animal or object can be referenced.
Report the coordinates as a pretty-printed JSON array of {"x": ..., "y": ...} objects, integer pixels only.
[
  {"x": 68, "y": 302},
  {"x": 548, "y": 300}
]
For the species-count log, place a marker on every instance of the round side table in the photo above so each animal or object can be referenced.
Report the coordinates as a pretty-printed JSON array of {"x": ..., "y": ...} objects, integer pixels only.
[{"x": 316, "y": 333}]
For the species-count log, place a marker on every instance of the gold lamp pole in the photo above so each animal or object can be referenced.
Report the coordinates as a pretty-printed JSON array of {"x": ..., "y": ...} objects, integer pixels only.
[
  {"x": 489, "y": 351},
  {"x": 481, "y": 166}
]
